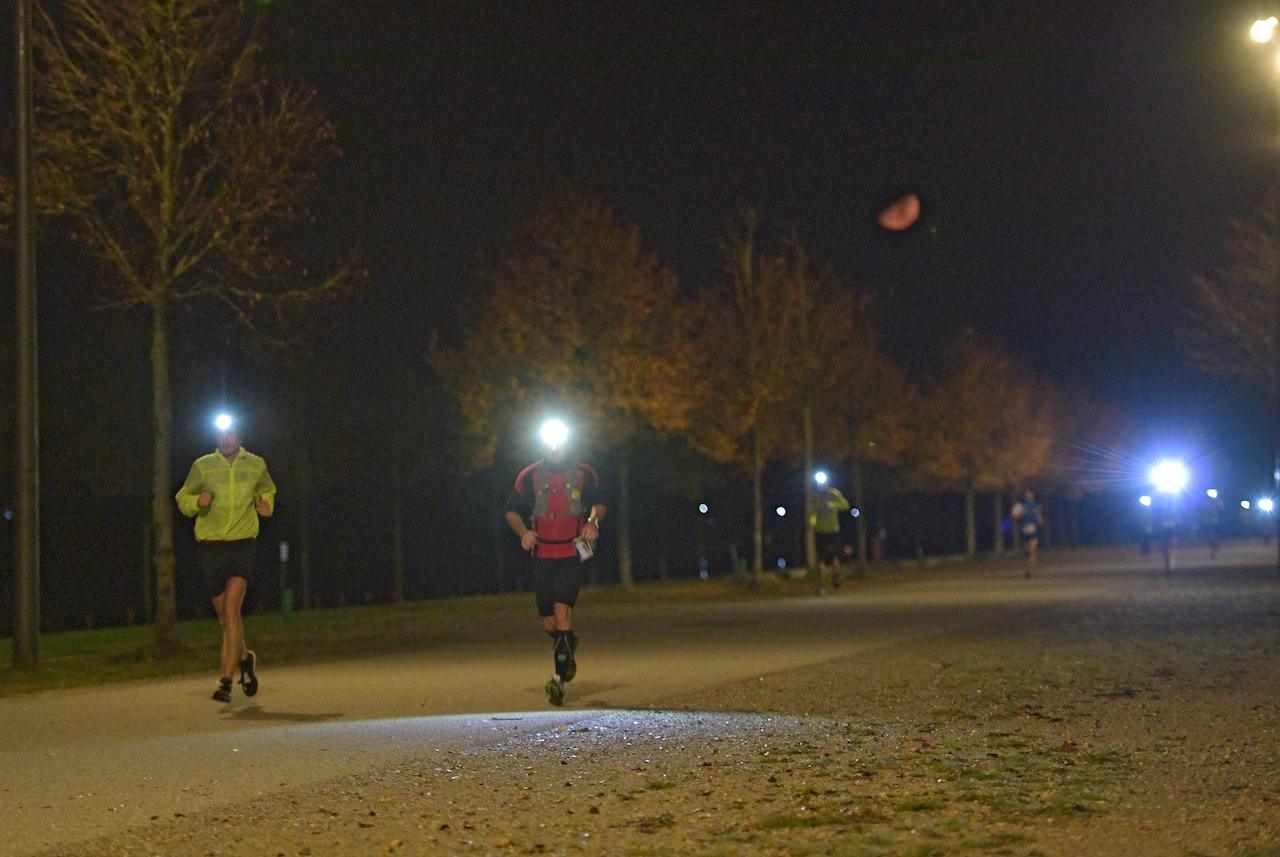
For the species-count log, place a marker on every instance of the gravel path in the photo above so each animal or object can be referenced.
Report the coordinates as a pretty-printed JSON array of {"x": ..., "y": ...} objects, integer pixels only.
[{"x": 1143, "y": 725}]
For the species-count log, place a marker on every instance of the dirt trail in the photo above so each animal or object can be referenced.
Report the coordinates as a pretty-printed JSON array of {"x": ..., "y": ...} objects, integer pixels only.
[{"x": 1144, "y": 723}]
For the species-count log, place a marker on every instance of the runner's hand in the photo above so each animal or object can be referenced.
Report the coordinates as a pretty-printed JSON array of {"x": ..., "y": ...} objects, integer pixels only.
[
  {"x": 205, "y": 498},
  {"x": 264, "y": 508},
  {"x": 529, "y": 540}
]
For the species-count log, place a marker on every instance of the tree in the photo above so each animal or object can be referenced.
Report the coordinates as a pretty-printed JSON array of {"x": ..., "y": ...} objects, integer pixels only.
[
  {"x": 164, "y": 145},
  {"x": 743, "y": 331},
  {"x": 837, "y": 375},
  {"x": 986, "y": 425},
  {"x": 1231, "y": 330},
  {"x": 793, "y": 353},
  {"x": 1234, "y": 328},
  {"x": 872, "y": 414},
  {"x": 574, "y": 314}
]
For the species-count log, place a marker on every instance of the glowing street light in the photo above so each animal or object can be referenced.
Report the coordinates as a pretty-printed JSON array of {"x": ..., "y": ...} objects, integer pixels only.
[
  {"x": 1169, "y": 476},
  {"x": 1145, "y": 500},
  {"x": 1244, "y": 504},
  {"x": 1263, "y": 31},
  {"x": 702, "y": 507},
  {"x": 1213, "y": 493},
  {"x": 782, "y": 511},
  {"x": 1266, "y": 504}
]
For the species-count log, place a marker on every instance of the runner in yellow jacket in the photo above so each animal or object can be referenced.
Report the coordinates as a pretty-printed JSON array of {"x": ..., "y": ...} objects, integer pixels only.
[{"x": 225, "y": 492}]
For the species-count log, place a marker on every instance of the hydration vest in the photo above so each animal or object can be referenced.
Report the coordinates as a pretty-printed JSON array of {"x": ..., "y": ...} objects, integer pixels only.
[{"x": 557, "y": 508}]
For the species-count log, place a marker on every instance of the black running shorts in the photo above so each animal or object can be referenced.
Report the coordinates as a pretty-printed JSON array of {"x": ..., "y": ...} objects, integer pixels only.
[
  {"x": 556, "y": 581},
  {"x": 221, "y": 561}
]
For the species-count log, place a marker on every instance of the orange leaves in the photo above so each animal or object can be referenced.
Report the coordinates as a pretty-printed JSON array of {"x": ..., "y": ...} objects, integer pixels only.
[
  {"x": 986, "y": 424},
  {"x": 574, "y": 312}
]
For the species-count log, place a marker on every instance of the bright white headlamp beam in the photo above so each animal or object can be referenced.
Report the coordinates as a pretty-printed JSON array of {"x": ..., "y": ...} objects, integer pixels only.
[
  {"x": 222, "y": 421},
  {"x": 1169, "y": 476},
  {"x": 554, "y": 433}
]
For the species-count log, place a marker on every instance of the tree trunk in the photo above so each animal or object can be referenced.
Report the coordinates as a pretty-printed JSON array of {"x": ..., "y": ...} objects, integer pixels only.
[
  {"x": 1048, "y": 531},
  {"x": 810, "y": 500},
  {"x": 162, "y": 501},
  {"x": 624, "y": 523},
  {"x": 304, "y": 534},
  {"x": 397, "y": 536},
  {"x": 997, "y": 520},
  {"x": 1016, "y": 531},
  {"x": 148, "y": 603},
  {"x": 1074, "y": 508},
  {"x": 757, "y": 496},
  {"x": 859, "y": 503},
  {"x": 970, "y": 523}
]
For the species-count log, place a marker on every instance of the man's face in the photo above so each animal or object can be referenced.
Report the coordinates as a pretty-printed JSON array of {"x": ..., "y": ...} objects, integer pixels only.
[
  {"x": 228, "y": 442},
  {"x": 556, "y": 456}
]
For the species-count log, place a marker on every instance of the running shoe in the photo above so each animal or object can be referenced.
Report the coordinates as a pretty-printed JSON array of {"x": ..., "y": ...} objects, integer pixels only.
[
  {"x": 555, "y": 691},
  {"x": 223, "y": 693},
  {"x": 566, "y": 666},
  {"x": 248, "y": 680}
]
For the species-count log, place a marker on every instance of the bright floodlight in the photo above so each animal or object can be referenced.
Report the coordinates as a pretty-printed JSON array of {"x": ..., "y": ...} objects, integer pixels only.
[
  {"x": 554, "y": 433},
  {"x": 222, "y": 421},
  {"x": 820, "y": 477},
  {"x": 1262, "y": 31},
  {"x": 1265, "y": 504},
  {"x": 1213, "y": 493},
  {"x": 1144, "y": 500},
  {"x": 1169, "y": 476}
]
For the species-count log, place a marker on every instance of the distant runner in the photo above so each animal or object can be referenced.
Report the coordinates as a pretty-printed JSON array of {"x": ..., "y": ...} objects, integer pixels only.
[{"x": 1029, "y": 519}]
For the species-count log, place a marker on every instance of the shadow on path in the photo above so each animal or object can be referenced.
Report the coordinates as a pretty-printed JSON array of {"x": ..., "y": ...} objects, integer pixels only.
[{"x": 256, "y": 714}]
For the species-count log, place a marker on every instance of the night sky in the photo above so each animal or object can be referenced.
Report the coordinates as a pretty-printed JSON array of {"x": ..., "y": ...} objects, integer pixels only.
[{"x": 1076, "y": 161}]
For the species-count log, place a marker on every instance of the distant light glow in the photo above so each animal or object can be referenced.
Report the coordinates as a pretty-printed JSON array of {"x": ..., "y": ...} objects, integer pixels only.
[
  {"x": 1144, "y": 500},
  {"x": 782, "y": 563},
  {"x": 782, "y": 511},
  {"x": 820, "y": 477},
  {"x": 1263, "y": 31},
  {"x": 855, "y": 511},
  {"x": 1213, "y": 493},
  {"x": 222, "y": 421},
  {"x": 554, "y": 433},
  {"x": 1265, "y": 504},
  {"x": 1244, "y": 504},
  {"x": 1169, "y": 476},
  {"x": 702, "y": 507}
]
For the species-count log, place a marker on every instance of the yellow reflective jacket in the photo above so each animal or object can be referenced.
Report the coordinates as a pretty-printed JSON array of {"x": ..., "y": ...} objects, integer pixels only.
[
  {"x": 829, "y": 503},
  {"x": 236, "y": 487}
]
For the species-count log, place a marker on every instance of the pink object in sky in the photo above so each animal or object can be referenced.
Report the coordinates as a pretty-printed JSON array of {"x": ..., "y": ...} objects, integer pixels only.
[{"x": 901, "y": 214}]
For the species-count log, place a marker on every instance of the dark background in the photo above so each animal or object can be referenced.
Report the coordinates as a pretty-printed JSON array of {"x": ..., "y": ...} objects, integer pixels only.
[{"x": 1076, "y": 163}]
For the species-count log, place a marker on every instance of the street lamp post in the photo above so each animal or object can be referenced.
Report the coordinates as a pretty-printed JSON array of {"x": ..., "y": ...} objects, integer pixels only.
[
  {"x": 26, "y": 629},
  {"x": 1264, "y": 30}
]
